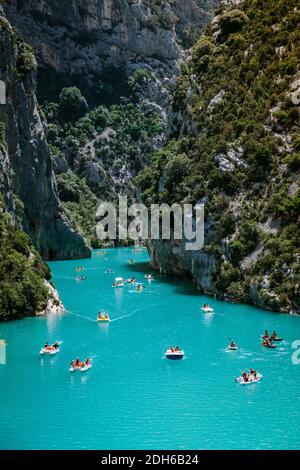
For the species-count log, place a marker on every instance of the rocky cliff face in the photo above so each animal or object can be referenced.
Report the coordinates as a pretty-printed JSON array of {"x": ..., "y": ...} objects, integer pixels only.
[
  {"x": 27, "y": 179},
  {"x": 79, "y": 36},
  {"x": 234, "y": 145},
  {"x": 122, "y": 54}
]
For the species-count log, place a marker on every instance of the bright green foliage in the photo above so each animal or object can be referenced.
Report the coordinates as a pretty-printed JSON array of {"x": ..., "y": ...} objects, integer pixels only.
[
  {"x": 130, "y": 130},
  {"x": 22, "y": 273}
]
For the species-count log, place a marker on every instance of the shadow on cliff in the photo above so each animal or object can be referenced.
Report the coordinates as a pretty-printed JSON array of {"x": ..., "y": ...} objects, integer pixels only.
[{"x": 183, "y": 285}]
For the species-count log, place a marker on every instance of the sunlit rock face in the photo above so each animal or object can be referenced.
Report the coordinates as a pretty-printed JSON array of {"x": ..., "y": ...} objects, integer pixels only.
[{"x": 81, "y": 36}]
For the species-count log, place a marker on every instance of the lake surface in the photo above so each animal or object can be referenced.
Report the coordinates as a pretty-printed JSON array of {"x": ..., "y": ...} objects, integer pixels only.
[{"x": 134, "y": 398}]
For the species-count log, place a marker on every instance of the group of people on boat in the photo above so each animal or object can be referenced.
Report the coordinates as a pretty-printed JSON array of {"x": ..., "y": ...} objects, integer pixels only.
[
  {"x": 103, "y": 316},
  {"x": 268, "y": 340},
  {"x": 247, "y": 375},
  {"x": 49, "y": 347},
  {"x": 176, "y": 349},
  {"x": 78, "y": 364}
]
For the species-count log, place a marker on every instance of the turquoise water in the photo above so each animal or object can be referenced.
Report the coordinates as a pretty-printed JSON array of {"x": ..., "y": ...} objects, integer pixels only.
[{"x": 133, "y": 398}]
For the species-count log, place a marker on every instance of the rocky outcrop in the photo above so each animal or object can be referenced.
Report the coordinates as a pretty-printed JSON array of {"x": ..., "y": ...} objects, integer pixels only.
[
  {"x": 170, "y": 257},
  {"x": 79, "y": 36},
  {"x": 54, "y": 304},
  {"x": 241, "y": 161},
  {"x": 27, "y": 179}
]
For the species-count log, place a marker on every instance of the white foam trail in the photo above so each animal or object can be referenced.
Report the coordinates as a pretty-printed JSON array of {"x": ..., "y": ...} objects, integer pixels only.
[{"x": 84, "y": 318}]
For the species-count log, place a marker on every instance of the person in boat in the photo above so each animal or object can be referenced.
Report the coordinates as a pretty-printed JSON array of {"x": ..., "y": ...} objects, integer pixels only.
[
  {"x": 274, "y": 335},
  {"x": 77, "y": 363},
  {"x": 87, "y": 361},
  {"x": 72, "y": 364},
  {"x": 233, "y": 344},
  {"x": 177, "y": 348},
  {"x": 266, "y": 334},
  {"x": 46, "y": 346},
  {"x": 56, "y": 345},
  {"x": 254, "y": 373},
  {"x": 245, "y": 376}
]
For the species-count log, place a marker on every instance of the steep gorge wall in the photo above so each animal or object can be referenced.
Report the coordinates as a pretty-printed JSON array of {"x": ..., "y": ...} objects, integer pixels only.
[
  {"x": 27, "y": 179},
  {"x": 234, "y": 145},
  {"x": 79, "y": 36}
]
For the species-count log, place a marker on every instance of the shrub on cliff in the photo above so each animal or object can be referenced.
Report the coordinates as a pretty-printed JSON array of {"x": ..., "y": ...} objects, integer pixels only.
[
  {"x": 232, "y": 22},
  {"x": 72, "y": 105}
]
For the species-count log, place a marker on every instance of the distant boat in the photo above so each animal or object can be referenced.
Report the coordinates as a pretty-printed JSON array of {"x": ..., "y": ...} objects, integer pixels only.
[
  {"x": 103, "y": 317},
  {"x": 119, "y": 282}
]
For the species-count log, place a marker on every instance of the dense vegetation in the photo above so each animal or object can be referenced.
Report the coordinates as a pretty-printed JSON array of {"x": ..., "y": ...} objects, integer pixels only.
[
  {"x": 97, "y": 149},
  {"x": 234, "y": 144},
  {"x": 22, "y": 273}
]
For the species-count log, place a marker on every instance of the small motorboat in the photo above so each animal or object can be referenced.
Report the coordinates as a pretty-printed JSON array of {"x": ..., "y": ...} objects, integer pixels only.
[
  {"x": 251, "y": 379},
  {"x": 207, "y": 309},
  {"x": 174, "y": 354},
  {"x": 119, "y": 282},
  {"x": 51, "y": 350},
  {"x": 103, "y": 317}
]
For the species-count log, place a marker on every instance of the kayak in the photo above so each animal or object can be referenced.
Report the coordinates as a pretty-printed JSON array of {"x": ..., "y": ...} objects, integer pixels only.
[
  {"x": 207, "y": 309},
  {"x": 175, "y": 355},
  {"x": 51, "y": 351},
  {"x": 81, "y": 369},
  {"x": 251, "y": 379}
]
